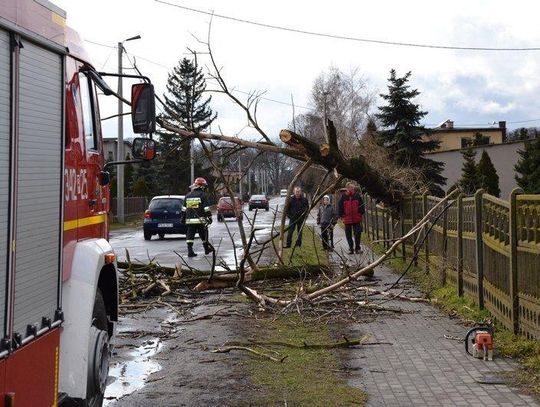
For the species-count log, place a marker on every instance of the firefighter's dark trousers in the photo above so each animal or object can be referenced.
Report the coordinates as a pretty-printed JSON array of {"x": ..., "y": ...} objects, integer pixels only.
[{"x": 194, "y": 229}]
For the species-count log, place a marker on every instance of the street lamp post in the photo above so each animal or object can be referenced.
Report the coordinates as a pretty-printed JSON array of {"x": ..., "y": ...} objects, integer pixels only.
[
  {"x": 120, "y": 153},
  {"x": 240, "y": 175}
]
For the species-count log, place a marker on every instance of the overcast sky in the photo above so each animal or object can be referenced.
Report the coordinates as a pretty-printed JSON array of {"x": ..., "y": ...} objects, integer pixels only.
[{"x": 469, "y": 86}]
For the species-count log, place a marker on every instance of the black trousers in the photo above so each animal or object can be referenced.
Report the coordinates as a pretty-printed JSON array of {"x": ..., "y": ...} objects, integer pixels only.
[
  {"x": 194, "y": 229},
  {"x": 295, "y": 224},
  {"x": 327, "y": 235},
  {"x": 356, "y": 230}
]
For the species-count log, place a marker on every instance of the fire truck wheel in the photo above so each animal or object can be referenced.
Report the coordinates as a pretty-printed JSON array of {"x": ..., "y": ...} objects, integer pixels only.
[{"x": 99, "y": 354}]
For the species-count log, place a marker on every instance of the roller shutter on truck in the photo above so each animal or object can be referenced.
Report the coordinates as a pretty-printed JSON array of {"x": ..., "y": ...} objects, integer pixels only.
[
  {"x": 31, "y": 147},
  {"x": 4, "y": 168}
]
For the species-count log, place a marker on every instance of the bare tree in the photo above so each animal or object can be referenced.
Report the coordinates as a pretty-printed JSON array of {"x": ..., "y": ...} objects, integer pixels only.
[{"x": 345, "y": 99}]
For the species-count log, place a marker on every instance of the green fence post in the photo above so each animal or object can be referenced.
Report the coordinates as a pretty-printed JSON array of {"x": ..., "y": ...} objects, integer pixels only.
[
  {"x": 383, "y": 221},
  {"x": 460, "y": 245},
  {"x": 376, "y": 222},
  {"x": 514, "y": 289},
  {"x": 413, "y": 214},
  {"x": 392, "y": 232},
  {"x": 387, "y": 227},
  {"x": 373, "y": 219},
  {"x": 402, "y": 218},
  {"x": 479, "y": 246},
  {"x": 444, "y": 248},
  {"x": 426, "y": 227},
  {"x": 366, "y": 211}
]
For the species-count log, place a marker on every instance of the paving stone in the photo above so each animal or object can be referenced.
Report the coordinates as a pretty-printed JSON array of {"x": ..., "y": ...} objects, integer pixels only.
[{"x": 421, "y": 367}]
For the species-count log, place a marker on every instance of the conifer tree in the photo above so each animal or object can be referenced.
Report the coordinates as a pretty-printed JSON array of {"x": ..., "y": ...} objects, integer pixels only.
[
  {"x": 403, "y": 134},
  {"x": 469, "y": 181},
  {"x": 528, "y": 167},
  {"x": 144, "y": 181},
  {"x": 185, "y": 107},
  {"x": 487, "y": 175}
]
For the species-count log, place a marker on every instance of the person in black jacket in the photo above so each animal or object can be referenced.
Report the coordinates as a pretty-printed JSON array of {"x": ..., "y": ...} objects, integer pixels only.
[
  {"x": 297, "y": 211},
  {"x": 197, "y": 216}
]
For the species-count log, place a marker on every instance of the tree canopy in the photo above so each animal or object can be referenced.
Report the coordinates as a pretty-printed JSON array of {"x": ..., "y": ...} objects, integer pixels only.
[
  {"x": 185, "y": 107},
  {"x": 470, "y": 179},
  {"x": 406, "y": 139},
  {"x": 487, "y": 174},
  {"x": 528, "y": 167}
]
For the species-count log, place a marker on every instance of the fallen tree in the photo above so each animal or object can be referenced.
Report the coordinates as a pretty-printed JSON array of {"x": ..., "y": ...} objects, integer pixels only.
[{"x": 327, "y": 156}]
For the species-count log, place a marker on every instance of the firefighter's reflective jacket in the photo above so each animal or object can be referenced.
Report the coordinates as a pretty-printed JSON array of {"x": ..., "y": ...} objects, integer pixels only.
[{"x": 196, "y": 208}]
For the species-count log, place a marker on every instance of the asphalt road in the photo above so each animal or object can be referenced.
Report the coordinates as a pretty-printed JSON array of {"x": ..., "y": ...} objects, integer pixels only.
[{"x": 167, "y": 251}]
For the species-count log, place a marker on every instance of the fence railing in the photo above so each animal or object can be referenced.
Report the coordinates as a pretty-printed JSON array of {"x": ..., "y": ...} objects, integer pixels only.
[
  {"x": 486, "y": 247},
  {"x": 133, "y": 205}
]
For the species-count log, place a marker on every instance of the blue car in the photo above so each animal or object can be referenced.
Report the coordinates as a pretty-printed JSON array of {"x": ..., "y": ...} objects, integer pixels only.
[{"x": 164, "y": 216}]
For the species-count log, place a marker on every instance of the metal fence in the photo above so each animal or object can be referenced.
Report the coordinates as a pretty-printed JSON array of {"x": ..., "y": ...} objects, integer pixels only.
[
  {"x": 133, "y": 205},
  {"x": 486, "y": 247}
]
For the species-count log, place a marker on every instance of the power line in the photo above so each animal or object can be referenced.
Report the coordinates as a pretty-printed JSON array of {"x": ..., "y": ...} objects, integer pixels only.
[
  {"x": 287, "y": 103},
  {"x": 100, "y": 44},
  {"x": 234, "y": 90},
  {"x": 342, "y": 37}
]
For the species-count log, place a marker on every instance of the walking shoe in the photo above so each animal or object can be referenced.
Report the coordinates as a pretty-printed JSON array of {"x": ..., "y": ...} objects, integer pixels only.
[
  {"x": 358, "y": 250},
  {"x": 192, "y": 254},
  {"x": 351, "y": 251},
  {"x": 208, "y": 249}
]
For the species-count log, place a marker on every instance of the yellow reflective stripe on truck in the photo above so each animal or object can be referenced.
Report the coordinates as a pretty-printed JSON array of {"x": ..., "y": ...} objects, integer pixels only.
[{"x": 82, "y": 222}]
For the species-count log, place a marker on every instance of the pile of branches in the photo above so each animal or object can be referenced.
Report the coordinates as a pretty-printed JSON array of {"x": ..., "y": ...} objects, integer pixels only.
[{"x": 143, "y": 280}]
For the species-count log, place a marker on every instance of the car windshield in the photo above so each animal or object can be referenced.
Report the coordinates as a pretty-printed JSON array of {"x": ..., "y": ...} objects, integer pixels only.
[
  {"x": 166, "y": 204},
  {"x": 258, "y": 197},
  {"x": 225, "y": 200}
]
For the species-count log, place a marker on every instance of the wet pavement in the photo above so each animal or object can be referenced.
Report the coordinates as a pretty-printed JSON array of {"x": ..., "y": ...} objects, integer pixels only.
[
  {"x": 141, "y": 340},
  {"x": 173, "y": 249},
  {"x": 164, "y": 359}
]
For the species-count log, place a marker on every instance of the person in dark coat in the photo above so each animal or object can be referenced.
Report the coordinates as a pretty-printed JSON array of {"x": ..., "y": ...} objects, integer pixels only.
[
  {"x": 327, "y": 218},
  {"x": 197, "y": 216},
  {"x": 351, "y": 210},
  {"x": 297, "y": 212}
]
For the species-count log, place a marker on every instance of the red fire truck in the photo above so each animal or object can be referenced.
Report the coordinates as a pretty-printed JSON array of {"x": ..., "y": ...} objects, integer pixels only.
[{"x": 58, "y": 278}]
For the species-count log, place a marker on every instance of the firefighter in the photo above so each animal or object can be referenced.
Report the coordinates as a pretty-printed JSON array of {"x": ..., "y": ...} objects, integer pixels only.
[{"x": 197, "y": 216}]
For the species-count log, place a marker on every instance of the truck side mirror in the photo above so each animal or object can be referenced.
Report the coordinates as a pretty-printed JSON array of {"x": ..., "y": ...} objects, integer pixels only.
[
  {"x": 143, "y": 108},
  {"x": 104, "y": 178},
  {"x": 143, "y": 148}
]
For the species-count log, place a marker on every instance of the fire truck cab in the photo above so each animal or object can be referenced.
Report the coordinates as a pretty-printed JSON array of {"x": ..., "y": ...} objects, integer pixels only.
[{"x": 58, "y": 277}]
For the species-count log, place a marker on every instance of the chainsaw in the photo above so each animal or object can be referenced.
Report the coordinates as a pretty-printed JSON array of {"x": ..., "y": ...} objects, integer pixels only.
[{"x": 481, "y": 339}]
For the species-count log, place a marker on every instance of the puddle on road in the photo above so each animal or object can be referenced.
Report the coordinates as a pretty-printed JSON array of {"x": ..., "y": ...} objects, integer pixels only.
[{"x": 129, "y": 376}]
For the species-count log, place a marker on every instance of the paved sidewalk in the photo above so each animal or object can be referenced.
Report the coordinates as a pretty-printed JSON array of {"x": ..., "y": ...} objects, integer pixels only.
[{"x": 422, "y": 367}]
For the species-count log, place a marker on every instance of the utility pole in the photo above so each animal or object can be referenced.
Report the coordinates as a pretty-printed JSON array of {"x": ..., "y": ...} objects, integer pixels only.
[
  {"x": 240, "y": 175},
  {"x": 249, "y": 181},
  {"x": 192, "y": 161},
  {"x": 120, "y": 152}
]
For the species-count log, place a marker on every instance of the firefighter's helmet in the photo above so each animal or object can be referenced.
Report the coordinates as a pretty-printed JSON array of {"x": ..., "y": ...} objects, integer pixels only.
[{"x": 200, "y": 182}]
